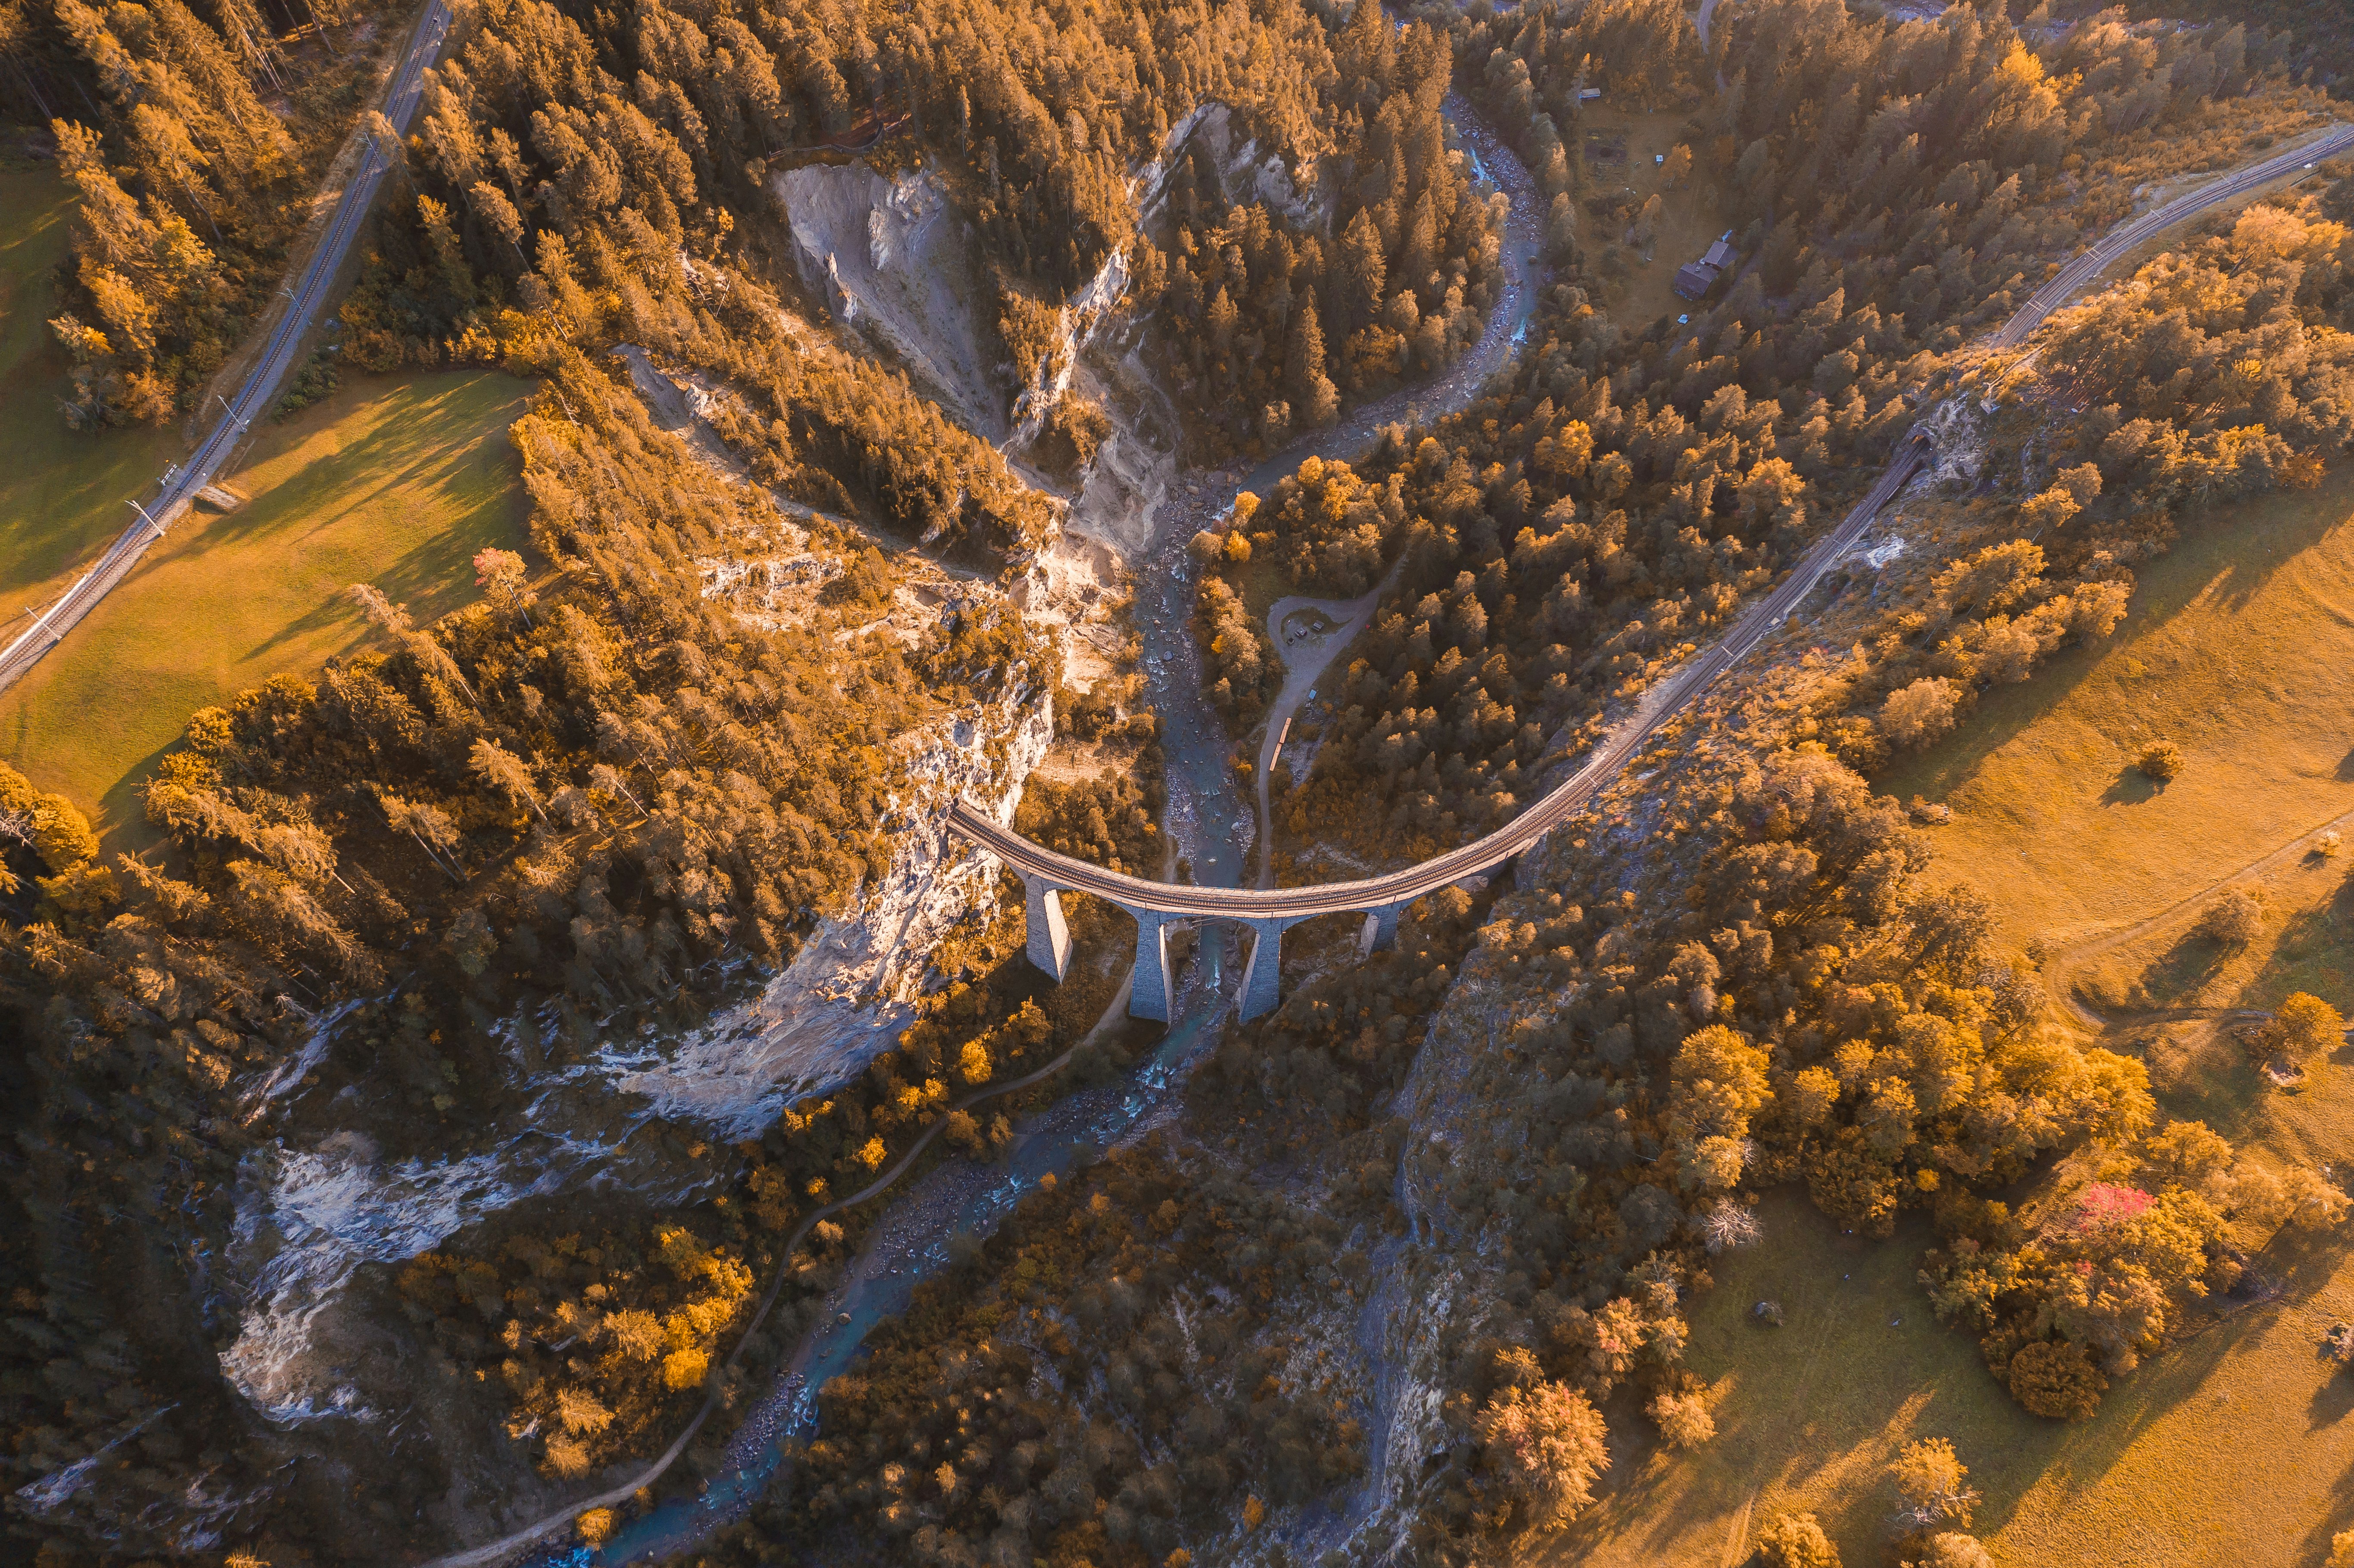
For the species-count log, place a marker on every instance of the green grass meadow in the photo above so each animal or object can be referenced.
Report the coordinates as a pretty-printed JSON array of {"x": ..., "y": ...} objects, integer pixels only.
[{"x": 394, "y": 481}]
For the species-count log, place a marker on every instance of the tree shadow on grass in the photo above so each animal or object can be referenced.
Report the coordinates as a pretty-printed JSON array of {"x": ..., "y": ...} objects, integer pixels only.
[
  {"x": 2331, "y": 1401},
  {"x": 124, "y": 827},
  {"x": 431, "y": 578},
  {"x": 2317, "y": 944},
  {"x": 2176, "y": 976},
  {"x": 445, "y": 453},
  {"x": 2002, "y": 714},
  {"x": 2211, "y": 1080},
  {"x": 2314, "y": 1547},
  {"x": 2287, "y": 524},
  {"x": 414, "y": 440},
  {"x": 2077, "y": 1458},
  {"x": 2131, "y": 786},
  {"x": 2221, "y": 566}
]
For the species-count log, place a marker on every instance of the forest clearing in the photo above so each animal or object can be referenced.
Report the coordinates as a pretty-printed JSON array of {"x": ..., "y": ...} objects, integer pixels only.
[
  {"x": 394, "y": 479},
  {"x": 1637, "y": 262},
  {"x": 2231, "y": 648}
]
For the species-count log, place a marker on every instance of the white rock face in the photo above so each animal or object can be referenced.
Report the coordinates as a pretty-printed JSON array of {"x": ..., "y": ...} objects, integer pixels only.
[
  {"x": 889, "y": 253},
  {"x": 1956, "y": 428},
  {"x": 891, "y": 256},
  {"x": 307, "y": 1219},
  {"x": 1087, "y": 309},
  {"x": 847, "y": 994},
  {"x": 1246, "y": 172}
]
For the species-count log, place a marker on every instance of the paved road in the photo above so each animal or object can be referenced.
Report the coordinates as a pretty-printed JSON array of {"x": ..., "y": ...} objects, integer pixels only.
[
  {"x": 1666, "y": 701},
  {"x": 261, "y": 387}
]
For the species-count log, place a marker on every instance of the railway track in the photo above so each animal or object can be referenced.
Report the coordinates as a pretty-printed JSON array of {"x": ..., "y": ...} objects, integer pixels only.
[
  {"x": 1398, "y": 888},
  {"x": 179, "y": 485}
]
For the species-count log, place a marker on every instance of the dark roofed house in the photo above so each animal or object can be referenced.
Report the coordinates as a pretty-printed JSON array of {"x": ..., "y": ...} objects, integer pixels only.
[{"x": 1695, "y": 278}]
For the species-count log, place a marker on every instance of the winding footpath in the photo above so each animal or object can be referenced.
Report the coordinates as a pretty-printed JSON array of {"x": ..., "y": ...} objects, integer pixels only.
[
  {"x": 305, "y": 299},
  {"x": 1315, "y": 653},
  {"x": 2060, "y": 974}
]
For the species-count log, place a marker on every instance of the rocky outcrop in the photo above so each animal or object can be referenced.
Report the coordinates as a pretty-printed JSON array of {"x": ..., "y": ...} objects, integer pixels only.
[
  {"x": 1956, "y": 428},
  {"x": 1080, "y": 317},
  {"x": 1246, "y": 172},
  {"x": 888, "y": 256},
  {"x": 848, "y": 993}
]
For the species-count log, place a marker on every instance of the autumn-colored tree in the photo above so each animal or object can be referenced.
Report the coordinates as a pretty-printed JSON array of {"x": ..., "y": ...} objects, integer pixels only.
[
  {"x": 1796, "y": 1541},
  {"x": 2055, "y": 1378},
  {"x": 1683, "y": 1419},
  {"x": 1547, "y": 1443},
  {"x": 2304, "y": 1027},
  {"x": 1930, "y": 1481}
]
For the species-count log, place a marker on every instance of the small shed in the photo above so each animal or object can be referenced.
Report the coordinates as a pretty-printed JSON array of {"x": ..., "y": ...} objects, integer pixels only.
[{"x": 1695, "y": 278}]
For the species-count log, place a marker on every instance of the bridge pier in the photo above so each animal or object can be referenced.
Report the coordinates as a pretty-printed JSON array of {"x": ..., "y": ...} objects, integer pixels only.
[
  {"x": 1263, "y": 976},
  {"x": 1380, "y": 929},
  {"x": 1049, "y": 937},
  {"x": 1151, "y": 994}
]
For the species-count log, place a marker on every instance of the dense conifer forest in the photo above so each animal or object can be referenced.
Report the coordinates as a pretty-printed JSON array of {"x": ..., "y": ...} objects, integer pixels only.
[{"x": 607, "y": 796}]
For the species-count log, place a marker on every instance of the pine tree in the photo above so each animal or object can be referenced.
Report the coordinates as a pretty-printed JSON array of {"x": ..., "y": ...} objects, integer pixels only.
[{"x": 1303, "y": 364}]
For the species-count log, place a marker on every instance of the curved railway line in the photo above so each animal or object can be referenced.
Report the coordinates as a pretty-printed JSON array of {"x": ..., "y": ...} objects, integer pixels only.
[
  {"x": 1381, "y": 897},
  {"x": 309, "y": 293}
]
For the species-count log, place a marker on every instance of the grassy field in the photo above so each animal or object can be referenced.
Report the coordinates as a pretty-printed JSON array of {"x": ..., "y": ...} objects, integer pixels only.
[
  {"x": 392, "y": 481},
  {"x": 62, "y": 494},
  {"x": 2233, "y": 648},
  {"x": 2232, "y": 1446},
  {"x": 1807, "y": 1415},
  {"x": 1690, "y": 218},
  {"x": 2234, "y": 1443}
]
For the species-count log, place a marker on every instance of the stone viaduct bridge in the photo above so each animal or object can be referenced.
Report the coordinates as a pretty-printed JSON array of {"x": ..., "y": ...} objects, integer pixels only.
[
  {"x": 1267, "y": 912},
  {"x": 1381, "y": 898}
]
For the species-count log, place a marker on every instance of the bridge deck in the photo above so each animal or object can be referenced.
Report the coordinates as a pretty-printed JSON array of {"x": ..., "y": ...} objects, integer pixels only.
[{"x": 1565, "y": 799}]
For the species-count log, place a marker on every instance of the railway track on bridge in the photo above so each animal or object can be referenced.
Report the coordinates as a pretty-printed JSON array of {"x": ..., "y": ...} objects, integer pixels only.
[
  {"x": 1155, "y": 905},
  {"x": 1565, "y": 799}
]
